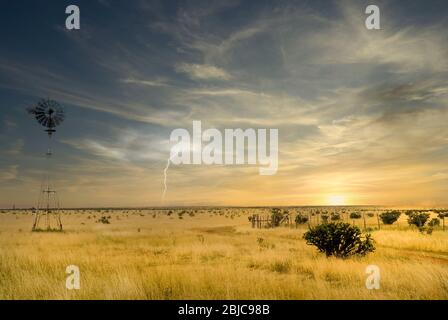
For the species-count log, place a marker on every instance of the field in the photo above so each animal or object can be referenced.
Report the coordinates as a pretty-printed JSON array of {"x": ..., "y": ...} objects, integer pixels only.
[{"x": 208, "y": 254}]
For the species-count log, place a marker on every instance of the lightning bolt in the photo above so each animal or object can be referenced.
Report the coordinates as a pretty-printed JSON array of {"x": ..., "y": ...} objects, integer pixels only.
[{"x": 165, "y": 177}]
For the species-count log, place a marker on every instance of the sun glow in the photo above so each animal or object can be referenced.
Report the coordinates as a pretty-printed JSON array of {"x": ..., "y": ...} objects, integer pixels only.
[{"x": 336, "y": 200}]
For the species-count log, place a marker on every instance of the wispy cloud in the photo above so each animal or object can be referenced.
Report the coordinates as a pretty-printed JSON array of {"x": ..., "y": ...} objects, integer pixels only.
[
  {"x": 15, "y": 148},
  {"x": 149, "y": 83},
  {"x": 203, "y": 72},
  {"x": 9, "y": 173}
]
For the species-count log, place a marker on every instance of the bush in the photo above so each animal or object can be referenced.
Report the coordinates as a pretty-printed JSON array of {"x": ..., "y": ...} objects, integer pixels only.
[
  {"x": 390, "y": 217},
  {"x": 301, "y": 219},
  {"x": 370, "y": 214},
  {"x": 335, "y": 217},
  {"x": 434, "y": 222},
  {"x": 355, "y": 215},
  {"x": 418, "y": 219},
  {"x": 324, "y": 218},
  {"x": 104, "y": 220},
  {"x": 339, "y": 239}
]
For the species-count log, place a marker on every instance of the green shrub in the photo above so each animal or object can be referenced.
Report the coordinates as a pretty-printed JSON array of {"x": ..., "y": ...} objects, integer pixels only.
[
  {"x": 390, "y": 217},
  {"x": 335, "y": 217},
  {"x": 435, "y": 222},
  {"x": 339, "y": 239},
  {"x": 103, "y": 220},
  {"x": 418, "y": 219},
  {"x": 355, "y": 215},
  {"x": 301, "y": 219}
]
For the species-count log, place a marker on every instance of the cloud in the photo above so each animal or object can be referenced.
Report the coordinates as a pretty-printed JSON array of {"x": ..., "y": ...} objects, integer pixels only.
[
  {"x": 125, "y": 146},
  {"x": 15, "y": 148},
  {"x": 403, "y": 49},
  {"x": 223, "y": 92},
  {"x": 8, "y": 123},
  {"x": 149, "y": 83},
  {"x": 9, "y": 173},
  {"x": 202, "y": 71}
]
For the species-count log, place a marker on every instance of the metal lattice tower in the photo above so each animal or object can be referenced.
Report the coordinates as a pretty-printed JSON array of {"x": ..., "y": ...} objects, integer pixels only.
[{"x": 49, "y": 114}]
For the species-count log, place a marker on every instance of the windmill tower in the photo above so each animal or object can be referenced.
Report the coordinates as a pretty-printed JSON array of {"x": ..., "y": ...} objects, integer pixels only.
[{"x": 49, "y": 114}]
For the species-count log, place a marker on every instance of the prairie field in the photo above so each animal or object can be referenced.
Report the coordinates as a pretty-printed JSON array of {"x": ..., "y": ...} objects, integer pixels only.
[{"x": 211, "y": 253}]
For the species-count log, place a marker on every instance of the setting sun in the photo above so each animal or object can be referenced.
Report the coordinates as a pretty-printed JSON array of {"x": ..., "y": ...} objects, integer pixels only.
[{"x": 336, "y": 200}]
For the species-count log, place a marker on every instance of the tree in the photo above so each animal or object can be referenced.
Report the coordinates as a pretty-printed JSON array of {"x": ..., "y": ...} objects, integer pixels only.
[
  {"x": 418, "y": 219},
  {"x": 390, "y": 217},
  {"x": 339, "y": 239}
]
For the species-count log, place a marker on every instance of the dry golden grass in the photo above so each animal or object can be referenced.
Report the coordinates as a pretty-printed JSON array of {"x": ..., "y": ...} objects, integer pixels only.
[{"x": 208, "y": 256}]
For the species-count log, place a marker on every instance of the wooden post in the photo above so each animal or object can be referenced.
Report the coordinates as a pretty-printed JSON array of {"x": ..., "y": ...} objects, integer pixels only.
[
  {"x": 364, "y": 218},
  {"x": 378, "y": 219}
]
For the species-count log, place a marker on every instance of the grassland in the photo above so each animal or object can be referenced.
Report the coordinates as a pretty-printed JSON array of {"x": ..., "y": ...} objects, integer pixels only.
[{"x": 210, "y": 254}]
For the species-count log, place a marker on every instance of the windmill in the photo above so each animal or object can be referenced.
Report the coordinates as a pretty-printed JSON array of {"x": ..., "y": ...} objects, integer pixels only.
[{"x": 49, "y": 114}]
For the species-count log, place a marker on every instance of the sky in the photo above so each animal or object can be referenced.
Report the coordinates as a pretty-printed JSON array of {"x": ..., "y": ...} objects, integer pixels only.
[{"x": 362, "y": 114}]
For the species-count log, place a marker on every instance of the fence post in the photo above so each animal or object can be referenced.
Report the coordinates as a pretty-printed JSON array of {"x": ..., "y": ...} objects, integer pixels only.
[{"x": 364, "y": 218}]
